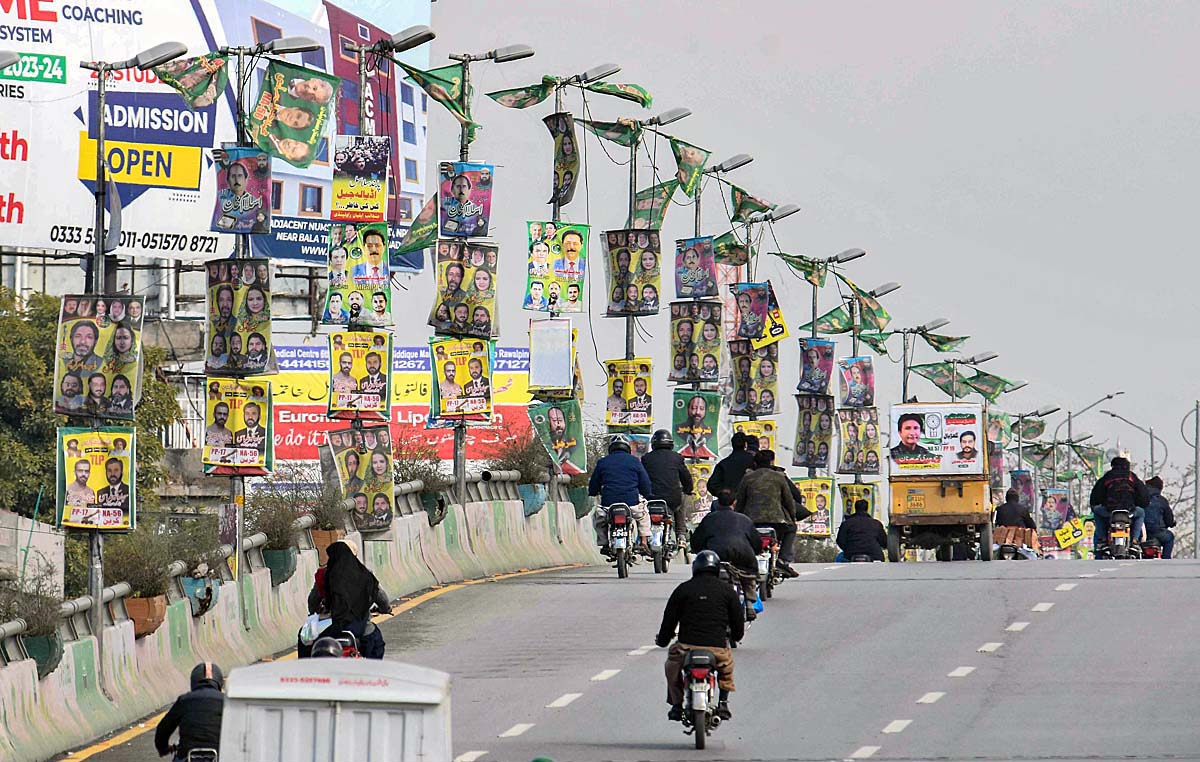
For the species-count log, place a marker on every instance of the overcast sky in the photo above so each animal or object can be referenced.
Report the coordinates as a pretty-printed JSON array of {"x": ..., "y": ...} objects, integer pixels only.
[{"x": 1024, "y": 169}]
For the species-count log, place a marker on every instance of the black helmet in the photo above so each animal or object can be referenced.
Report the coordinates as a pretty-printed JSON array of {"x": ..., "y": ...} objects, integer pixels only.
[
  {"x": 619, "y": 442},
  {"x": 207, "y": 674},
  {"x": 662, "y": 439},
  {"x": 706, "y": 561},
  {"x": 326, "y": 647}
]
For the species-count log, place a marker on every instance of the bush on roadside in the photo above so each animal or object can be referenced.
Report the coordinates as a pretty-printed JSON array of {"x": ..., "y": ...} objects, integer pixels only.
[
  {"x": 140, "y": 558},
  {"x": 34, "y": 600}
]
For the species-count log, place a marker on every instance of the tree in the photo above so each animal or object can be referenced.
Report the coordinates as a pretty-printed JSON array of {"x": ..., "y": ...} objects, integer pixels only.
[{"x": 1178, "y": 490}]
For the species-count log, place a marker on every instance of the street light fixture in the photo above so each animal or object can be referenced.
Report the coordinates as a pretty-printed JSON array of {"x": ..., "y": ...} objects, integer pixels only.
[
  {"x": 403, "y": 40},
  {"x": 510, "y": 53},
  {"x": 1013, "y": 386},
  {"x": 499, "y": 55},
  {"x": 8, "y": 58},
  {"x": 281, "y": 46},
  {"x": 1041, "y": 412},
  {"x": 1149, "y": 432},
  {"x": 884, "y": 289},
  {"x": 933, "y": 325},
  {"x": 736, "y": 161},
  {"x": 595, "y": 74},
  {"x": 670, "y": 116}
]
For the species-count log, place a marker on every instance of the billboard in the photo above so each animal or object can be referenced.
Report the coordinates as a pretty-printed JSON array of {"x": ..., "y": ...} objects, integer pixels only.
[{"x": 937, "y": 439}]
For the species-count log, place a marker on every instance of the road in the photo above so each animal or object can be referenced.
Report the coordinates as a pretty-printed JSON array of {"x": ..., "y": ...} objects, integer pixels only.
[{"x": 1029, "y": 660}]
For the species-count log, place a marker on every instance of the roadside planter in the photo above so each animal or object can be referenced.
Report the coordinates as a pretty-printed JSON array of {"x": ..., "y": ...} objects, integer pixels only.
[
  {"x": 323, "y": 538},
  {"x": 282, "y": 564},
  {"x": 45, "y": 650},
  {"x": 147, "y": 614}
]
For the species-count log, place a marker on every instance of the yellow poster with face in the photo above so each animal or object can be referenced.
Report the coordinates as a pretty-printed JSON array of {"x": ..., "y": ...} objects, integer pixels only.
[
  {"x": 97, "y": 480},
  {"x": 629, "y": 400},
  {"x": 239, "y": 317},
  {"x": 763, "y": 431},
  {"x": 818, "y": 498},
  {"x": 462, "y": 377},
  {"x": 364, "y": 464},
  {"x": 360, "y": 375},
  {"x": 238, "y": 423},
  {"x": 852, "y": 493},
  {"x": 98, "y": 364}
]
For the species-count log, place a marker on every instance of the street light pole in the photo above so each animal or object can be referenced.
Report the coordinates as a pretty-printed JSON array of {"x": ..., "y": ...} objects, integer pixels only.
[
  {"x": 905, "y": 360},
  {"x": 1149, "y": 432},
  {"x": 1071, "y": 415},
  {"x": 1195, "y": 445},
  {"x": 1041, "y": 412},
  {"x": 982, "y": 357}
]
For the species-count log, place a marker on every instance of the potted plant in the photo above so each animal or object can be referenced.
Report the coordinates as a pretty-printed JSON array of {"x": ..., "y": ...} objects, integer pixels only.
[
  {"x": 274, "y": 513},
  {"x": 194, "y": 542},
  {"x": 36, "y": 603},
  {"x": 141, "y": 558},
  {"x": 324, "y": 502},
  {"x": 413, "y": 461}
]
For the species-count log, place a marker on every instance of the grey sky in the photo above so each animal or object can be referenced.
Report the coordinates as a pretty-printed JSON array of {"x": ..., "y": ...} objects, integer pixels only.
[{"x": 1025, "y": 169}]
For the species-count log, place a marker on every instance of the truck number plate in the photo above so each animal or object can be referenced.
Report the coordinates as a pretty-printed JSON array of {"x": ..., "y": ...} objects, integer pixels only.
[{"x": 915, "y": 501}]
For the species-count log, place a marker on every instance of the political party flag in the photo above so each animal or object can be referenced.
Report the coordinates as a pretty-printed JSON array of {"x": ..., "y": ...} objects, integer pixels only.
[
  {"x": 814, "y": 271},
  {"x": 625, "y": 132},
  {"x": 566, "y": 157},
  {"x": 200, "y": 80},
  {"x": 424, "y": 230},
  {"x": 238, "y": 427},
  {"x": 876, "y": 340},
  {"x": 731, "y": 251},
  {"x": 97, "y": 477},
  {"x": 990, "y": 386},
  {"x": 626, "y": 90},
  {"x": 444, "y": 85},
  {"x": 870, "y": 309},
  {"x": 689, "y": 163},
  {"x": 650, "y": 206},
  {"x": 943, "y": 343},
  {"x": 559, "y": 427},
  {"x": 941, "y": 375},
  {"x": 294, "y": 109},
  {"x": 744, "y": 204},
  {"x": 836, "y": 320},
  {"x": 524, "y": 97},
  {"x": 1033, "y": 428},
  {"x": 360, "y": 174},
  {"x": 98, "y": 357}
]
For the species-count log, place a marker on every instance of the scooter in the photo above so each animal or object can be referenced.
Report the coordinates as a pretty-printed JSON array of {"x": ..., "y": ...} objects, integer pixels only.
[
  {"x": 197, "y": 755},
  {"x": 663, "y": 544},
  {"x": 699, "y": 699}
]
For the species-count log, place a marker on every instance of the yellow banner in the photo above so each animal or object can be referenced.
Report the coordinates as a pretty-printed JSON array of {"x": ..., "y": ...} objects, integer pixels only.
[
  {"x": 312, "y": 388},
  {"x": 162, "y": 166}
]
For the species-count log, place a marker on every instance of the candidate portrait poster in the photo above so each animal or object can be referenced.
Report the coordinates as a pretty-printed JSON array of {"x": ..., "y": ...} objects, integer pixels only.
[
  {"x": 856, "y": 382},
  {"x": 243, "y": 203},
  {"x": 238, "y": 427},
  {"x": 359, "y": 276},
  {"x": 239, "y": 317},
  {"x": 360, "y": 375},
  {"x": 701, "y": 471},
  {"x": 462, "y": 370},
  {"x": 1055, "y": 510},
  {"x": 629, "y": 401},
  {"x": 763, "y": 431},
  {"x": 557, "y": 267},
  {"x": 293, "y": 111},
  {"x": 775, "y": 328},
  {"x": 695, "y": 342},
  {"x": 816, "y": 366},
  {"x": 363, "y": 457},
  {"x": 937, "y": 438},
  {"x": 814, "y": 431},
  {"x": 634, "y": 260},
  {"x": 360, "y": 175},
  {"x": 858, "y": 435},
  {"x": 98, "y": 358},
  {"x": 694, "y": 419},
  {"x": 566, "y": 157},
  {"x": 750, "y": 316},
  {"x": 464, "y": 198},
  {"x": 755, "y": 378},
  {"x": 818, "y": 498},
  {"x": 559, "y": 427},
  {"x": 97, "y": 477},
  {"x": 465, "y": 303},
  {"x": 852, "y": 493},
  {"x": 695, "y": 268}
]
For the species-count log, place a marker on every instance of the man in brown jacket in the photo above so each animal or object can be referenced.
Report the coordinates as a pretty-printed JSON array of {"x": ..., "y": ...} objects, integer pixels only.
[{"x": 765, "y": 495}]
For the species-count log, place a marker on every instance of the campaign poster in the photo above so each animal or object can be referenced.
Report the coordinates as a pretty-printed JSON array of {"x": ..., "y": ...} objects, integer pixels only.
[
  {"x": 239, "y": 317},
  {"x": 566, "y": 157},
  {"x": 816, "y": 369},
  {"x": 775, "y": 328},
  {"x": 937, "y": 438},
  {"x": 818, "y": 498},
  {"x": 360, "y": 375},
  {"x": 695, "y": 342},
  {"x": 364, "y": 465},
  {"x": 639, "y": 444},
  {"x": 559, "y": 427},
  {"x": 856, "y": 382},
  {"x": 557, "y": 267},
  {"x": 551, "y": 355},
  {"x": 695, "y": 268},
  {"x": 238, "y": 427},
  {"x": 97, "y": 477},
  {"x": 360, "y": 292},
  {"x": 750, "y": 317},
  {"x": 1055, "y": 510},
  {"x": 689, "y": 163},
  {"x": 694, "y": 419},
  {"x": 465, "y": 304},
  {"x": 755, "y": 378},
  {"x": 763, "y": 431},
  {"x": 243, "y": 203},
  {"x": 360, "y": 178},
  {"x": 858, "y": 435},
  {"x": 98, "y": 362},
  {"x": 199, "y": 79},
  {"x": 464, "y": 198},
  {"x": 293, "y": 110},
  {"x": 701, "y": 471},
  {"x": 814, "y": 431},
  {"x": 1022, "y": 481},
  {"x": 852, "y": 493},
  {"x": 629, "y": 400},
  {"x": 634, "y": 271},
  {"x": 462, "y": 370}
]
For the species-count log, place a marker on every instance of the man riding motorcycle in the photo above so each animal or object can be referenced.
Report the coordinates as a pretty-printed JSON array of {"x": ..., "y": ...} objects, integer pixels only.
[
  {"x": 670, "y": 479},
  {"x": 619, "y": 478},
  {"x": 196, "y": 714},
  {"x": 861, "y": 534},
  {"x": 1159, "y": 517},
  {"x": 728, "y": 472},
  {"x": 731, "y": 536},
  {"x": 1119, "y": 489},
  {"x": 709, "y": 615},
  {"x": 765, "y": 495}
]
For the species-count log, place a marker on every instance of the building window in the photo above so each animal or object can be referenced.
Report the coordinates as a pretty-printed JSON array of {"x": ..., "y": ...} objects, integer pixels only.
[
  {"x": 385, "y": 103},
  {"x": 410, "y": 170},
  {"x": 424, "y": 103},
  {"x": 322, "y": 152},
  {"x": 314, "y": 59},
  {"x": 406, "y": 94},
  {"x": 364, "y": 34},
  {"x": 263, "y": 31},
  {"x": 405, "y": 206},
  {"x": 410, "y": 133},
  {"x": 346, "y": 49},
  {"x": 277, "y": 196},
  {"x": 310, "y": 200}
]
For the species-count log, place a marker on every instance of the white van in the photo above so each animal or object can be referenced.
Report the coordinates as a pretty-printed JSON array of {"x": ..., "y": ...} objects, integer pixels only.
[{"x": 336, "y": 710}]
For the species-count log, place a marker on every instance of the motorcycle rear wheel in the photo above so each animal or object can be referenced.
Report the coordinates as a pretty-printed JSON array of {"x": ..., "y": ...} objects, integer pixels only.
[
  {"x": 622, "y": 564},
  {"x": 700, "y": 723},
  {"x": 659, "y": 558}
]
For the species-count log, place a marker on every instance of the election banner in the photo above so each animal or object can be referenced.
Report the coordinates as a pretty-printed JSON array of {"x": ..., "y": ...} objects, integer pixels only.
[
  {"x": 639, "y": 444},
  {"x": 856, "y": 382},
  {"x": 694, "y": 419},
  {"x": 1055, "y": 511},
  {"x": 814, "y": 431},
  {"x": 818, "y": 498},
  {"x": 97, "y": 477},
  {"x": 763, "y": 431},
  {"x": 465, "y": 198},
  {"x": 238, "y": 427},
  {"x": 730, "y": 251},
  {"x": 629, "y": 402},
  {"x": 695, "y": 342},
  {"x": 422, "y": 234},
  {"x": 816, "y": 358},
  {"x": 858, "y": 434},
  {"x": 364, "y": 466},
  {"x": 689, "y": 163},
  {"x": 360, "y": 378},
  {"x": 243, "y": 190},
  {"x": 360, "y": 292},
  {"x": 465, "y": 304},
  {"x": 292, "y": 112},
  {"x": 559, "y": 427},
  {"x": 695, "y": 268},
  {"x": 360, "y": 178},
  {"x": 557, "y": 267},
  {"x": 774, "y": 328},
  {"x": 199, "y": 79},
  {"x": 239, "y": 317},
  {"x": 634, "y": 271},
  {"x": 937, "y": 438},
  {"x": 566, "y": 157},
  {"x": 744, "y": 204},
  {"x": 755, "y": 378},
  {"x": 650, "y": 206},
  {"x": 750, "y": 319},
  {"x": 852, "y": 493},
  {"x": 1022, "y": 481},
  {"x": 551, "y": 355},
  {"x": 462, "y": 371},
  {"x": 98, "y": 358},
  {"x": 1070, "y": 533},
  {"x": 701, "y": 471},
  {"x": 524, "y": 97}
]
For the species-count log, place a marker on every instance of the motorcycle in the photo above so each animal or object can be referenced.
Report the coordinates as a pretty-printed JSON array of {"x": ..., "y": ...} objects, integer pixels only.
[
  {"x": 768, "y": 557},
  {"x": 1118, "y": 543},
  {"x": 1151, "y": 548},
  {"x": 620, "y": 541},
  {"x": 699, "y": 697},
  {"x": 196, "y": 755},
  {"x": 663, "y": 544},
  {"x": 728, "y": 573}
]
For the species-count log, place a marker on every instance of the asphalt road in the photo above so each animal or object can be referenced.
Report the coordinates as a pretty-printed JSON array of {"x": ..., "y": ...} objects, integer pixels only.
[{"x": 1079, "y": 661}]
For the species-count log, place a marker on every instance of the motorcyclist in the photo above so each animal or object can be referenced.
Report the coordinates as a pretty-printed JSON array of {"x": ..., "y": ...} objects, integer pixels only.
[
  {"x": 861, "y": 533},
  {"x": 731, "y": 536},
  {"x": 670, "y": 479},
  {"x": 350, "y": 589},
  {"x": 765, "y": 495},
  {"x": 728, "y": 472},
  {"x": 1011, "y": 513},
  {"x": 326, "y": 647},
  {"x": 196, "y": 714},
  {"x": 1118, "y": 489},
  {"x": 709, "y": 615},
  {"x": 620, "y": 478},
  {"x": 1159, "y": 517}
]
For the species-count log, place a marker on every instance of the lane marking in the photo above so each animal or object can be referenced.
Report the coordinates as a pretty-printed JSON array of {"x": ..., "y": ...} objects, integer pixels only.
[
  {"x": 931, "y": 697},
  {"x": 516, "y": 730},
  {"x": 988, "y": 648},
  {"x": 961, "y": 672},
  {"x": 469, "y": 756},
  {"x": 1016, "y": 626},
  {"x": 642, "y": 651},
  {"x": 563, "y": 700},
  {"x": 1109, "y": 568},
  {"x": 897, "y": 726},
  {"x": 864, "y": 752},
  {"x": 1043, "y": 606},
  {"x": 806, "y": 573},
  {"x": 606, "y": 674},
  {"x": 117, "y": 740},
  {"x": 1064, "y": 587},
  {"x": 1087, "y": 576},
  {"x": 1126, "y": 563}
]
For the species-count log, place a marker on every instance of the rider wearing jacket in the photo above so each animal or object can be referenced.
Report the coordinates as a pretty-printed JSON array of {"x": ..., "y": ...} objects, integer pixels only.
[
  {"x": 1119, "y": 489},
  {"x": 729, "y": 470},
  {"x": 1159, "y": 517},
  {"x": 765, "y": 495},
  {"x": 732, "y": 536},
  {"x": 196, "y": 714},
  {"x": 619, "y": 478},
  {"x": 670, "y": 479},
  {"x": 862, "y": 534}
]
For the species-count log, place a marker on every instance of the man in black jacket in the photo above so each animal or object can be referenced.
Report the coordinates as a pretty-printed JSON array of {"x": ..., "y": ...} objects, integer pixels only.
[
  {"x": 670, "y": 479},
  {"x": 861, "y": 534},
  {"x": 732, "y": 536},
  {"x": 1011, "y": 513},
  {"x": 709, "y": 615},
  {"x": 197, "y": 715},
  {"x": 729, "y": 471},
  {"x": 1118, "y": 489}
]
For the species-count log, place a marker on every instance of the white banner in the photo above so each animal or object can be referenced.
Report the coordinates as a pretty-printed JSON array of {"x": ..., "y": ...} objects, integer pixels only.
[{"x": 937, "y": 438}]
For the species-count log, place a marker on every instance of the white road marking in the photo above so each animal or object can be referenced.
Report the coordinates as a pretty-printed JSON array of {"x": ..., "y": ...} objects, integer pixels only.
[
  {"x": 1043, "y": 606},
  {"x": 961, "y": 672},
  {"x": 1087, "y": 576},
  {"x": 641, "y": 651},
  {"x": 469, "y": 756},
  {"x": 806, "y": 573},
  {"x": 864, "y": 752},
  {"x": 897, "y": 726},
  {"x": 563, "y": 700},
  {"x": 1109, "y": 568},
  {"x": 604, "y": 675},
  {"x": 931, "y": 697},
  {"x": 516, "y": 730},
  {"x": 837, "y": 567},
  {"x": 1016, "y": 626},
  {"x": 988, "y": 648},
  {"x": 1126, "y": 563},
  {"x": 1064, "y": 587}
]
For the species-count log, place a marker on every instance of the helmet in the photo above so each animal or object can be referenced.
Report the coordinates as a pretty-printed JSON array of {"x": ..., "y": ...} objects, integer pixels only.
[
  {"x": 619, "y": 442},
  {"x": 207, "y": 672},
  {"x": 706, "y": 561},
  {"x": 326, "y": 647},
  {"x": 662, "y": 439}
]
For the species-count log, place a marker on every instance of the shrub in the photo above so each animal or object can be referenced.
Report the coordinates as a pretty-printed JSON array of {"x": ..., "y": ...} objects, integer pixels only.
[
  {"x": 521, "y": 452},
  {"x": 33, "y": 600},
  {"x": 274, "y": 513},
  {"x": 413, "y": 460},
  {"x": 75, "y": 566},
  {"x": 140, "y": 558},
  {"x": 596, "y": 440},
  {"x": 196, "y": 542},
  {"x": 815, "y": 550}
]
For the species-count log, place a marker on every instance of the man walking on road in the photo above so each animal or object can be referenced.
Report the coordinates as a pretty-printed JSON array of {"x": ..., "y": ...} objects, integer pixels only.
[
  {"x": 765, "y": 495},
  {"x": 670, "y": 479}
]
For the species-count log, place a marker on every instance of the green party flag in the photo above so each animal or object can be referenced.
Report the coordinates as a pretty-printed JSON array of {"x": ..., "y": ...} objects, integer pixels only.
[
  {"x": 627, "y": 90},
  {"x": 941, "y": 375},
  {"x": 876, "y": 340},
  {"x": 1040, "y": 455},
  {"x": 689, "y": 162},
  {"x": 650, "y": 206},
  {"x": 200, "y": 80},
  {"x": 1093, "y": 458},
  {"x": 1033, "y": 428},
  {"x": 524, "y": 97},
  {"x": 292, "y": 113},
  {"x": 943, "y": 343},
  {"x": 424, "y": 230},
  {"x": 869, "y": 307},
  {"x": 814, "y": 271},
  {"x": 1002, "y": 423},
  {"x": 731, "y": 251},
  {"x": 444, "y": 85},
  {"x": 836, "y": 320},
  {"x": 990, "y": 386},
  {"x": 559, "y": 427},
  {"x": 625, "y": 132},
  {"x": 744, "y": 204}
]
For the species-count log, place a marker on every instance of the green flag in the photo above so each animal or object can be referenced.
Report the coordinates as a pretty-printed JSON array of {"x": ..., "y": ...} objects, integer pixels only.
[
  {"x": 689, "y": 163},
  {"x": 524, "y": 97},
  {"x": 1039, "y": 454},
  {"x": 999, "y": 427},
  {"x": 876, "y": 340},
  {"x": 1093, "y": 457},
  {"x": 625, "y": 132},
  {"x": 943, "y": 343},
  {"x": 941, "y": 375},
  {"x": 293, "y": 111},
  {"x": 814, "y": 271},
  {"x": 990, "y": 386},
  {"x": 871, "y": 310},
  {"x": 1032, "y": 428},
  {"x": 627, "y": 90},
  {"x": 200, "y": 80},
  {"x": 836, "y": 320},
  {"x": 424, "y": 231},
  {"x": 732, "y": 251},
  {"x": 444, "y": 85},
  {"x": 744, "y": 204},
  {"x": 650, "y": 206}
]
